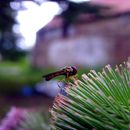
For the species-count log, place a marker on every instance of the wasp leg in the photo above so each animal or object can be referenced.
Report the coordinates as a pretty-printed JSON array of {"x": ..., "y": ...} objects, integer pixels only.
[
  {"x": 62, "y": 88},
  {"x": 74, "y": 78},
  {"x": 67, "y": 77},
  {"x": 59, "y": 84}
]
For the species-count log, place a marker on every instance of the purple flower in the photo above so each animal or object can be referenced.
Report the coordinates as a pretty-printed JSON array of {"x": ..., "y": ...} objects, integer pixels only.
[{"x": 12, "y": 119}]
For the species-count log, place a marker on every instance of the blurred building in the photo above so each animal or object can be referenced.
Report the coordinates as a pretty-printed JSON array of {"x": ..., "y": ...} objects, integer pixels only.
[{"x": 90, "y": 41}]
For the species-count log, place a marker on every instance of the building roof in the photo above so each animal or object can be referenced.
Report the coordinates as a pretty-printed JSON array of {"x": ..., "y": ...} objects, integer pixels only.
[{"x": 119, "y": 6}]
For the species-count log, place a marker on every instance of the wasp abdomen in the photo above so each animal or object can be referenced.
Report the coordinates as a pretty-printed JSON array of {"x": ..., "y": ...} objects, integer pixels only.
[{"x": 53, "y": 75}]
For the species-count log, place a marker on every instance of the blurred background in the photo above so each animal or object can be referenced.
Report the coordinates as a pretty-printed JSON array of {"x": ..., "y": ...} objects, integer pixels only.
[{"x": 38, "y": 37}]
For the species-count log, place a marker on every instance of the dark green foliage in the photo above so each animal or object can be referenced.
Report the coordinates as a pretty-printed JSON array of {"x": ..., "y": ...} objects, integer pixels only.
[{"x": 8, "y": 39}]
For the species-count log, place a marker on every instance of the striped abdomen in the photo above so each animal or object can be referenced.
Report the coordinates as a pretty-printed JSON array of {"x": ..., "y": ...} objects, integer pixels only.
[{"x": 54, "y": 74}]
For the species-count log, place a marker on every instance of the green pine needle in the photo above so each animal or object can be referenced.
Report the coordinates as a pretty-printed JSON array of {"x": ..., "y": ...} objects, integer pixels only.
[{"x": 101, "y": 101}]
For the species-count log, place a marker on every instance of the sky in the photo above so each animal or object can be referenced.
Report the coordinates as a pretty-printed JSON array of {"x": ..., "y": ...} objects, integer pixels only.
[{"x": 33, "y": 18}]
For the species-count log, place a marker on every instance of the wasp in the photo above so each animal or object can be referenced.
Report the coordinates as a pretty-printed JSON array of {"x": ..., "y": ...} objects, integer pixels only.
[{"x": 69, "y": 73}]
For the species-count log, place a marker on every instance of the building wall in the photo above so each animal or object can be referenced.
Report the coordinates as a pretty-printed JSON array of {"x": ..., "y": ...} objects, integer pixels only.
[{"x": 93, "y": 44}]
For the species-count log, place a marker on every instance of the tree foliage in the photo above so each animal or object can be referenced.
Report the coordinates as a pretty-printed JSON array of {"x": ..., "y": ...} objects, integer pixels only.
[{"x": 8, "y": 38}]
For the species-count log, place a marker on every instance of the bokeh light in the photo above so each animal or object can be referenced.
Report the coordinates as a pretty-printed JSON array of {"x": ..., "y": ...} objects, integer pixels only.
[{"x": 32, "y": 19}]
